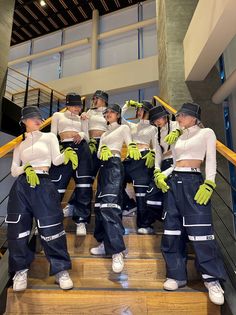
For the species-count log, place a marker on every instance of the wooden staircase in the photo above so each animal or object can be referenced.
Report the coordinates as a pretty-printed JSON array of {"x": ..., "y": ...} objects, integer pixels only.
[{"x": 97, "y": 290}]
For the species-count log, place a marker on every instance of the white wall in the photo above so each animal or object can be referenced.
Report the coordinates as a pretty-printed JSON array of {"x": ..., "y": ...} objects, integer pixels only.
[
  {"x": 114, "y": 50},
  {"x": 230, "y": 66}
]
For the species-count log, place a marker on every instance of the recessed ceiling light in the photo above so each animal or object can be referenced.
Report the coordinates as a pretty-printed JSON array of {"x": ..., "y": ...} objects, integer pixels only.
[{"x": 42, "y": 3}]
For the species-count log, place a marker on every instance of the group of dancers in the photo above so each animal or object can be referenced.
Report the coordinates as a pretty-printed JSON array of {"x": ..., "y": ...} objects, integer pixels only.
[{"x": 163, "y": 163}]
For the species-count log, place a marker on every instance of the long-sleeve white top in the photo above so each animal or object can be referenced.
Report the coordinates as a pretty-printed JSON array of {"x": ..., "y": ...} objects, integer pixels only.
[
  {"x": 159, "y": 155},
  {"x": 38, "y": 149},
  {"x": 142, "y": 132},
  {"x": 67, "y": 121},
  {"x": 115, "y": 136},
  {"x": 96, "y": 120},
  {"x": 196, "y": 144}
]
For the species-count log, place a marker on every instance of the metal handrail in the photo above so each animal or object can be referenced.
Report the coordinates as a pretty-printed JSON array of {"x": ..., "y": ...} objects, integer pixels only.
[
  {"x": 38, "y": 82},
  {"x": 220, "y": 147}
]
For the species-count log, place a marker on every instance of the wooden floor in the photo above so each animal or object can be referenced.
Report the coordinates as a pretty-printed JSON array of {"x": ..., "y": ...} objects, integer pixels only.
[{"x": 97, "y": 290}]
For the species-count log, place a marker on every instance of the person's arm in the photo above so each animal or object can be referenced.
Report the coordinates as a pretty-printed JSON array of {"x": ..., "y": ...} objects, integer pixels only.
[
  {"x": 54, "y": 124},
  {"x": 123, "y": 120},
  {"x": 84, "y": 130},
  {"x": 100, "y": 144},
  {"x": 127, "y": 135},
  {"x": 210, "y": 161},
  {"x": 56, "y": 156},
  {"x": 16, "y": 167}
]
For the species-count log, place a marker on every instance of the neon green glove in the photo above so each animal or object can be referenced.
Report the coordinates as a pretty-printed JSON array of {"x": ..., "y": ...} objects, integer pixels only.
[
  {"x": 133, "y": 104},
  {"x": 133, "y": 151},
  {"x": 70, "y": 155},
  {"x": 150, "y": 159},
  {"x": 160, "y": 181},
  {"x": 173, "y": 136},
  {"x": 204, "y": 192},
  {"x": 31, "y": 176},
  {"x": 105, "y": 153},
  {"x": 92, "y": 145}
]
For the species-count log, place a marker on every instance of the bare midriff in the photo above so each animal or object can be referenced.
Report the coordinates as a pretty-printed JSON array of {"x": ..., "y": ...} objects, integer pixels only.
[
  {"x": 189, "y": 163},
  {"x": 67, "y": 135},
  {"x": 142, "y": 146},
  {"x": 41, "y": 168},
  {"x": 115, "y": 152},
  {"x": 95, "y": 133}
]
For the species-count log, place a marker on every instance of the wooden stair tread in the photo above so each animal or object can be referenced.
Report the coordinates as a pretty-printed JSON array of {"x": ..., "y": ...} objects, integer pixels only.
[
  {"x": 144, "y": 245},
  {"x": 106, "y": 302},
  {"x": 100, "y": 268},
  {"x": 123, "y": 283},
  {"x": 129, "y": 224}
]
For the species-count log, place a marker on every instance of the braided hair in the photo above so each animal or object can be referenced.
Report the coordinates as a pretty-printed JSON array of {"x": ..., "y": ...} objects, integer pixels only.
[{"x": 159, "y": 134}]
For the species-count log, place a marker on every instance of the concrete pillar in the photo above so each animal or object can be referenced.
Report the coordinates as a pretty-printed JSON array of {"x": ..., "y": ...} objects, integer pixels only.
[
  {"x": 6, "y": 21},
  {"x": 94, "y": 40},
  {"x": 173, "y": 18}
]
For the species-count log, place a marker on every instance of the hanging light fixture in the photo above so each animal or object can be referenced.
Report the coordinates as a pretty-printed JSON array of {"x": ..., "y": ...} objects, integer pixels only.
[{"x": 42, "y": 3}]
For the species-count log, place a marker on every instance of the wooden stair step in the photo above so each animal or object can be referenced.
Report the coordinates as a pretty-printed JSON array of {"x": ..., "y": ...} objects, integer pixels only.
[
  {"x": 121, "y": 283},
  {"x": 100, "y": 268},
  {"x": 129, "y": 224},
  {"x": 106, "y": 302},
  {"x": 137, "y": 245}
]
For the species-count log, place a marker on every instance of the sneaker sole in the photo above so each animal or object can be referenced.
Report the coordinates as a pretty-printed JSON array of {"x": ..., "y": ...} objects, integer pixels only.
[
  {"x": 179, "y": 287},
  {"x": 66, "y": 288}
]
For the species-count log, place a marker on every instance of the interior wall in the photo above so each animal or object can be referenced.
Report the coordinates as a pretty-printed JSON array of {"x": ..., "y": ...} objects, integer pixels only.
[{"x": 230, "y": 66}]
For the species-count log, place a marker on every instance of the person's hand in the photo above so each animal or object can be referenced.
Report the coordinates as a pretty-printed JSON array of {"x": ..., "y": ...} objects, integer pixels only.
[
  {"x": 173, "y": 136},
  {"x": 70, "y": 155},
  {"x": 204, "y": 192},
  {"x": 31, "y": 176},
  {"x": 92, "y": 145},
  {"x": 132, "y": 103},
  {"x": 150, "y": 159},
  {"x": 105, "y": 153},
  {"x": 133, "y": 151},
  {"x": 160, "y": 181},
  {"x": 84, "y": 116},
  {"x": 77, "y": 139}
]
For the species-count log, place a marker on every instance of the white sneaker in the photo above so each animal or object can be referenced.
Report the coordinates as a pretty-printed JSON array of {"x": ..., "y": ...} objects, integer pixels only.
[
  {"x": 145, "y": 231},
  {"x": 20, "y": 280},
  {"x": 81, "y": 229},
  {"x": 64, "y": 280},
  {"x": 117, "y": 262},
  {"x": 215, "y": 291},
  {"x": 99, "y": 250},
  {"x": 172, "y": 284},
  {"x": 68, "y": 210}
]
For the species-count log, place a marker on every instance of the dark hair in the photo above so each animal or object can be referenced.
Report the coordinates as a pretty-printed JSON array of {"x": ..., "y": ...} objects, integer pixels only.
[
  {"x": 23, "y": 129},
  {"x": 159, "y": 135}
]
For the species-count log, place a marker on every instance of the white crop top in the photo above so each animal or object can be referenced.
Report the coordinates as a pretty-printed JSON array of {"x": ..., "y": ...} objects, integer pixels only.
[
  {"x": 163, "y": 133},
  {"x": 115, "y": 136},
  {"x": 141, "y": 132},
  {"x": 68, "y": 121},
  {"x": 38, "y": 149},
  {"x": 196, "y": 144},
  {"x": 96, "y": 120}
]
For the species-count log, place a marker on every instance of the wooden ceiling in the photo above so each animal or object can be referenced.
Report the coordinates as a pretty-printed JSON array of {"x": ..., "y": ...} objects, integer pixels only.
[{"x": 32, "y": 20}]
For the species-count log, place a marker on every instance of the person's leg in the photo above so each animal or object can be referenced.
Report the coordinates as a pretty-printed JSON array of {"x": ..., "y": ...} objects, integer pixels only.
[
  {"x": 19, "y": 220},
  {"x": 49, "y": 218},
  {"x": 173, "y": 240},
  {"x": 61, "y": 174},
  {"x": 83, "y": 181},
  {"x": 110, "y": 205}
]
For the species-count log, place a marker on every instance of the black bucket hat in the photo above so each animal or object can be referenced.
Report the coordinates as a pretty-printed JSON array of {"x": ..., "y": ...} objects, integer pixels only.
[
  {"x": 114, "y": 107},
  {"x": 30, "y": 112},
  {"x": 157, "y": 112},
  {"x": 101, "y": 94},
  {"x": 191, "y": 109},
  {"x": 147, "y": 106},
  {"x": 73, "y": 99}
]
